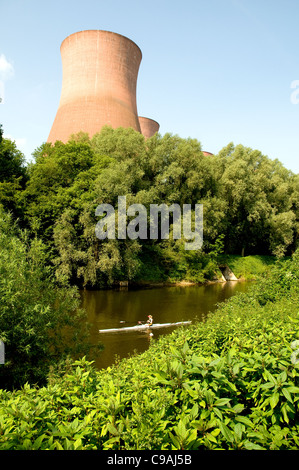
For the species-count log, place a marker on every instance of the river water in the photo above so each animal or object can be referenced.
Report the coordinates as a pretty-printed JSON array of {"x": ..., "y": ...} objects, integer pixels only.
[{"x": 125, "y": 307}]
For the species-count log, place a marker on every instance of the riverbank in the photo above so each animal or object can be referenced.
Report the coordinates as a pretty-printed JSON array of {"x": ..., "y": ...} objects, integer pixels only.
[
  {"x": 243, "y": 268},
  {"x": 229, "y": 383}
]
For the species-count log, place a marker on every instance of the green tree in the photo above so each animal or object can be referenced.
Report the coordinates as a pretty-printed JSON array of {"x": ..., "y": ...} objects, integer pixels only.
[
  {"x": 13, "y": 175},
  {"x": 39, "y": 322},
  {"x": 58, "y": 179},
  {"x": 12, "y": 161},
  {"x": 260, "y": 197}
]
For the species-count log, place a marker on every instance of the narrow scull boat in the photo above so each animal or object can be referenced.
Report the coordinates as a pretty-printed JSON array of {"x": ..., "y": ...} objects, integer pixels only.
[{"x": 144, "y": 327}]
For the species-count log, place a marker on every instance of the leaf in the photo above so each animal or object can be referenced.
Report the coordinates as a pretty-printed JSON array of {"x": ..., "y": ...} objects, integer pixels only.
[
  {"x": 26, "y": 444},
  {"x": 58, "y": 446},
  {"x": 209, "y": 397},
  {"x": 251, "y": 446},
  {"x": 267, "y": 385},
  {"x": 194, "y": 411},
  {"x": 274, "y": 399},
  {"x": 226, "y": 432},
  {"x": 285, "y": 414},
  {"x": 181, "y": 430},
  {"x": 287, "y": 394},
  {"x": 211, "y": 437},
  {"x": 109, "y": 444},
  {"x": 198, "y": 425},
  {"x": 192, "y": 437},
  {"x": 238, "y": 408},
  {"x": 175, "y": 441},
  {"x": 218, "y": 413},
  {"x": 38, "y": 441},
  {"x": 162, "y": 377},
  {"x": 215, "y": 432},
  {"x": 222, "y": 402},
  {"x": 283, "y": 376},
  {"x": 179, "y": 371},
  {"x": 112, "y": 429},
  {"x": 78, "y": 444},
  {"x": 245, "y": 420},
  {"x": 185, "y": 348},
  {"x": 238, "y": 430},
  {"x": 270, "y": 377}
]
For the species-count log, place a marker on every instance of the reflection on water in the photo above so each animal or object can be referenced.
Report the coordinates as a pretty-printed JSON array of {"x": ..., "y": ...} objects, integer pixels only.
[{"x": 125, "y": 307}]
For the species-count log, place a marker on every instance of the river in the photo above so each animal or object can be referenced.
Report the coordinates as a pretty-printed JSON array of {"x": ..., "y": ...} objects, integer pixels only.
[{"x": 125, "y": 307}]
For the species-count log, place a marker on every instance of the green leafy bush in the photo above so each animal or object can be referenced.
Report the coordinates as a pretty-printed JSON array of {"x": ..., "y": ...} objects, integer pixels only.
[
  {"x": 38, "y": 321},
  {"x": 230, "y": 382}
]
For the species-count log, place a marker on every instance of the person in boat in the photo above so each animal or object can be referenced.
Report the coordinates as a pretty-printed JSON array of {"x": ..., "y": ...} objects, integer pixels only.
[{"x": 150, "y": 320}]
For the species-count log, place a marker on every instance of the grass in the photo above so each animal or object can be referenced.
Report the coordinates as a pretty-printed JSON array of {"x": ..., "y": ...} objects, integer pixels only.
[{"x": 248, "y": 267}]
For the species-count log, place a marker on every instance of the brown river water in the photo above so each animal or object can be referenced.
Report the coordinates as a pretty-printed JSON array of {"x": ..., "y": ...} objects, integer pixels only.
[{"x": 125, "y": 307}]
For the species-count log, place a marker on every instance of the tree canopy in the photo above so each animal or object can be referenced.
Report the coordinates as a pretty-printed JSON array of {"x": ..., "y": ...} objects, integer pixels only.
[
  {"x": 13, "y": 174},
  {"x": 250, "y": 203}
]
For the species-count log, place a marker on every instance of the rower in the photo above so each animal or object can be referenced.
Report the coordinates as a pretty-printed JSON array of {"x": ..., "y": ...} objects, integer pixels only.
[{"x": 150, "y": 320}]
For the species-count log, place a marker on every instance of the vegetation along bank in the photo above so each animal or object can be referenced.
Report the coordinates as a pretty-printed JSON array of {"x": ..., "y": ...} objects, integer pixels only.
[{"x": 230, "y": 382}]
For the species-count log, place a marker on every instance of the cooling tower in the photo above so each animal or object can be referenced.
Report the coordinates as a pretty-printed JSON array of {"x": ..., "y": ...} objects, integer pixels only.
[
  {"x": 148, "y": 126},
  {"x": 99, "y": 80}
]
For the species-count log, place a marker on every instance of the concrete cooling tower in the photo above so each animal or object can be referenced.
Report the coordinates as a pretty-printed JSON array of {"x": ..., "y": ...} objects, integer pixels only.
[
  {"x": 148, "y": 126},
  {"x": 99, "y": 81}
]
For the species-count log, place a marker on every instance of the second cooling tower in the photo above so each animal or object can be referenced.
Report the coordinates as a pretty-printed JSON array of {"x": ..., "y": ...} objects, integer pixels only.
[{"x": 100, "y": 70}]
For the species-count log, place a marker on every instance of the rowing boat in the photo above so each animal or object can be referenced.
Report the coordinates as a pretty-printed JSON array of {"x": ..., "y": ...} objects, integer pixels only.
[{"x": 144, "y": 327}]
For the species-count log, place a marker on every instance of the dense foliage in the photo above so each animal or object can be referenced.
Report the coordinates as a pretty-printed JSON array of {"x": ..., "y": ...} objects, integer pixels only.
[
  {"x": 230, "y": 382},
  {"x": 39, "y": 322},
  {"x": 250, "y": 205},
  {"x": 13, "y": 175}
]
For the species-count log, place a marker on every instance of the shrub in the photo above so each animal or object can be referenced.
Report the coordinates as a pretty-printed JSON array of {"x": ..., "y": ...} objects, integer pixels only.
[
  {"x": 38, "y": 321},
  {"x": 230, "y": 382}
]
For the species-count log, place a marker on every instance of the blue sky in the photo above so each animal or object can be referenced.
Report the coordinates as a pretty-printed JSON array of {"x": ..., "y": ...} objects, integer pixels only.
[{"x": 219, "y": 71}]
